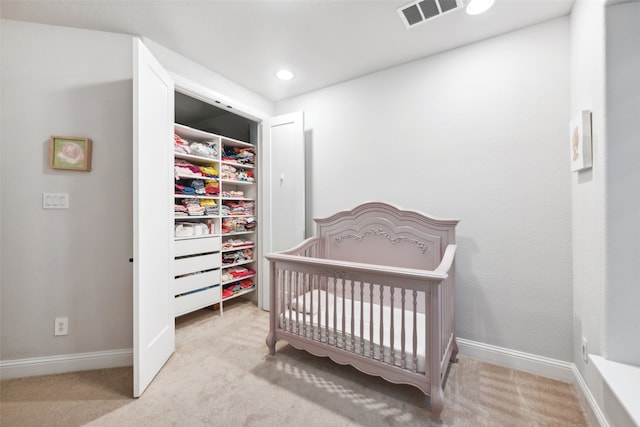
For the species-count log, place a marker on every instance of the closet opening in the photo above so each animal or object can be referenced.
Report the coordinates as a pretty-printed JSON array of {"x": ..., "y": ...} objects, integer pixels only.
[{"x": 215, "y": 196}]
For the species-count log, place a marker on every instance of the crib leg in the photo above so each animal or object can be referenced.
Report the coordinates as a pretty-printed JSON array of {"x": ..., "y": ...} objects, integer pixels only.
[
  {"x": 454, "y": 351},
  {"x": 271, "y": 343},
  {"x": 437, "y": 404}
]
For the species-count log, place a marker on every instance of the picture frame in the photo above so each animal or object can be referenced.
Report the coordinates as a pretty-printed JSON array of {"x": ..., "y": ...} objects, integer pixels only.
[
  {"x": 580, "y": 148},
  {"x": 70, "y": 153}
]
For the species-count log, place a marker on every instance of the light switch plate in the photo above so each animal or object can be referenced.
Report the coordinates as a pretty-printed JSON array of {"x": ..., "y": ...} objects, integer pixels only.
[{"x": 55, "y": 200}]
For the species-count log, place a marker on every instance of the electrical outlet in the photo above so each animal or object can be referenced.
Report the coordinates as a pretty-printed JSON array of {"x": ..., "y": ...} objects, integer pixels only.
[
  {"x": 61, "y": 326},
  {"x": 585, "y": 352}
]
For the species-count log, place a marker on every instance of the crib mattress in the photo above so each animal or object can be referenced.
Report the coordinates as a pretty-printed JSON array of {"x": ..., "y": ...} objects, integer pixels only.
[{"x": 308, "y": 317}]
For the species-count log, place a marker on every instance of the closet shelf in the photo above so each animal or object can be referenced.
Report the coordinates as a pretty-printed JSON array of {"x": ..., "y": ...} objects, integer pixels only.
[
  {"x": 230, "y": 142},
  {"x": 249, "y": 261},
  {"x": 193, "y": 196},
  {"x": 237, "y": 233},
  {"x": 198, "y": 159},
  {"x": 246, "y": 199},
  {"x": 194, "y": 237},
  {"x": 237, "y": 248},
  {"x": 194, "y": 134},
  {"x": 239, "y": 293},
  {"x": 236, "y": 164},
  {"x": 235, "y": 181},
  {"x": 192, "y": 217},
  {"x": 204, "y": 178},
  {"x": 237, "y": 279}
]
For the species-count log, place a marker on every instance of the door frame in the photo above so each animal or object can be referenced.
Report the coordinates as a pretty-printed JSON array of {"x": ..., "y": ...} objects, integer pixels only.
[{"x": 269, "y": 190}]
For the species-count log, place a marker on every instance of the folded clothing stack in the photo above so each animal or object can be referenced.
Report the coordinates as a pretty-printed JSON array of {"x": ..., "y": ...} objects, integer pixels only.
[
  {"x": 187, "y": 229},
  {"x": 208, "y": 149},
  {"x": 236, "y": 287}
]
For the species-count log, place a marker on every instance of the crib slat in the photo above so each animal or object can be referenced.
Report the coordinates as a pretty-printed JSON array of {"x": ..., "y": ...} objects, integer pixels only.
[
  {"x": 352, "y": 330},
  {"x": 381, "y": 346},
  {"x": 317, "y": 286},
  {"x": 326, "y": 313},
  {"x": 415, "y": 331},
  {"x": 344, "y": 340},
  {"x": 362, "y": 318},
  {"x": 290, "y": 293},
  {"x": 403, "y": 354},
  {"x": 371, "y": 354},
  {"x": 392, "y": 351},
  {"x": 300, "y": 292},
  {"x": 335, "y": 314},
  {"x": 294, "y": 284},
  {"x": 307, "y": 287}
]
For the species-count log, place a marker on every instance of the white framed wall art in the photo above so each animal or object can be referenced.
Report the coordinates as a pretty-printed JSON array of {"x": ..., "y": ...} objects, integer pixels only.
[{"x": 580, "y": 141}]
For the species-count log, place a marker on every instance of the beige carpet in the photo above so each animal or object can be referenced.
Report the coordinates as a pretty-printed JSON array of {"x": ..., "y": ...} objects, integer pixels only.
[{"x": 221, "y": 375}]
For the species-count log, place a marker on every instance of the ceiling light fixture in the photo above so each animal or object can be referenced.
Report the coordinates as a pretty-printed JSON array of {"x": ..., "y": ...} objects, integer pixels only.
[
  {"x": 476, "y": 7},
  {"x": 284, "y": 75}
]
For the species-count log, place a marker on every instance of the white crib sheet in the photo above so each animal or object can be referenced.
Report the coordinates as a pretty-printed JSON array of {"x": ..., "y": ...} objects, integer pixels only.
[{"x": 308, "y": 318}]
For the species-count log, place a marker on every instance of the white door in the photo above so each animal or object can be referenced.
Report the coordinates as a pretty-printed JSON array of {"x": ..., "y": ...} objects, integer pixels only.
[
  {"x": 153, "y": 320},
  {"x": 283, "y": 207}
]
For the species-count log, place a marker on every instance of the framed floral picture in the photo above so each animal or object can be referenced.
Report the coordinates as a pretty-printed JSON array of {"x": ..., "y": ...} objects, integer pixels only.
[
  {"x": 70, "y": 153},
  {"x": 580, "y": 141}
]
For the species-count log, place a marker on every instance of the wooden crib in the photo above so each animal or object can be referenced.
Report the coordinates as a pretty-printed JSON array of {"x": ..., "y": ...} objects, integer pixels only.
[{"x": 375, "y": 289}]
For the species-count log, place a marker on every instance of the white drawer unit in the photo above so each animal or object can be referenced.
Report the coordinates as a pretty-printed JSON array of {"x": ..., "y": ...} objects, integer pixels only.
[
  {"x": 196, "y": 300},
  {"x": 197, "y": 245},
  {"x": 193, "y": 264},
  {"x": 196, "y": 281},
  {"x": 197, "y": 269}
]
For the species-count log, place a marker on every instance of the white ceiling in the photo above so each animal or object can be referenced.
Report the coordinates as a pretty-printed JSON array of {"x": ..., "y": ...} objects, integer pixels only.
[{"x": 322, "y": 42}]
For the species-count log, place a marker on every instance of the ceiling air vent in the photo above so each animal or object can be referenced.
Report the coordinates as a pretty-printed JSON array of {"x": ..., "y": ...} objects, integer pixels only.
[{"x": 418, "y": 12}]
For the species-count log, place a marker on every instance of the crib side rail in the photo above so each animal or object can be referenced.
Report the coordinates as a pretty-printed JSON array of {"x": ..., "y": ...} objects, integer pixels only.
[
  {"x": 307, "y": 248},
  {"x": 447, "y": 260},
  {"x": 415, "y": 278}
]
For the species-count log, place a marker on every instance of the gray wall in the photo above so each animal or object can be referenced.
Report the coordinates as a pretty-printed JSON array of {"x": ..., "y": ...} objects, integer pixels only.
[
  {"x": 478, "y": 133},
  {"x": 75, "y": 262}
]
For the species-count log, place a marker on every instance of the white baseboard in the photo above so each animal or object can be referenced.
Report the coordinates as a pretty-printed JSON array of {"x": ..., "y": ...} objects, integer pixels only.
[
  {"x": 538, "y": 365},
  {"x": 587, "y": 396},
  {"x": 65, "y": 363}
]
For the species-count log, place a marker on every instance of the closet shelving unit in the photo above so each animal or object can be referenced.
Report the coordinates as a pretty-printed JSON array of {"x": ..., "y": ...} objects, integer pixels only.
[{"x": 202, "y": 241}]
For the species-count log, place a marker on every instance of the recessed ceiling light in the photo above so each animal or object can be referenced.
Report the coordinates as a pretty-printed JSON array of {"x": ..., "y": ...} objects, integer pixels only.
[
  {"x": 284, "y": 75},
  {"x": 476, "y": 7}
]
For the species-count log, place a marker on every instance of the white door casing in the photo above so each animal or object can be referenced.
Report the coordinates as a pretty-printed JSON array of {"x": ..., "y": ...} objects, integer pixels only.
[
  {"x": 153, "y": 319},
  {"x": 282, "y": 217}
]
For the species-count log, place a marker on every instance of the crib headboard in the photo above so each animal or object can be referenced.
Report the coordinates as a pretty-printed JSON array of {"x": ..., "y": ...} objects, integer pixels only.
[{"x": 383, "y": 234}]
